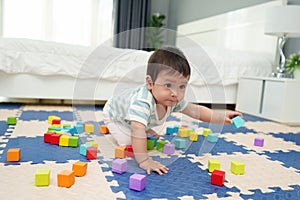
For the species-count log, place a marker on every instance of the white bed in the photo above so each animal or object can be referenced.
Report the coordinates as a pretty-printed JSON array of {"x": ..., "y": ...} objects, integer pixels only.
[{"x": 220, "y": 50}]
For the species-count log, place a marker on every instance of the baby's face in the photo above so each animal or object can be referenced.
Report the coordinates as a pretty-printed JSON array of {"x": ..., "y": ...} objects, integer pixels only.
[{"x": 169, "y": 88}]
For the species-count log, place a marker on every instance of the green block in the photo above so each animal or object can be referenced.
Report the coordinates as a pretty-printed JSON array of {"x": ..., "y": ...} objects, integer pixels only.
[
  {"x": 160, "y": 145},
  {"x": 73, "y": 141},
  {"x": 11, "y": 120},
  {"x": 206, "y": 131},
  {"x": 42, "y": 177},
  {"x": 150, "y": 144}
]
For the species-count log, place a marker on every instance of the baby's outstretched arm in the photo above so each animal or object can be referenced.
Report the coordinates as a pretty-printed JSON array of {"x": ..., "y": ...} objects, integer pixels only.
[
  {"x": 139, "y": 145},
  {"x": 208, "y": 115}
]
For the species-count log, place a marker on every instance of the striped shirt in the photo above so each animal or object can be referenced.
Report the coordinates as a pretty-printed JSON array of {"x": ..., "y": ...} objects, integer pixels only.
[{"x": 138, "y": 105}]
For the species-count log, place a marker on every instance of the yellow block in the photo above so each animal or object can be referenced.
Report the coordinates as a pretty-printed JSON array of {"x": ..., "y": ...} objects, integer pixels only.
[
  {"x": 183, "y": 132},
  {"x": 64, "y": 140},
  {"x": 237, "y": 167},
  {"x": 206, "y": 131},
  {"x": 50, "y": 118},
  {"x": 194, "y": 136},
  {"x": 89, "y": 128},
  {"x": 93, "y": 143},
  {"x": 213, "y": 164}
]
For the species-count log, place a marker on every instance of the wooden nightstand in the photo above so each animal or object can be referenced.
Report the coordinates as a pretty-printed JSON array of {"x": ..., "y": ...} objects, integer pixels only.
[{"x": 276, "y": 99}]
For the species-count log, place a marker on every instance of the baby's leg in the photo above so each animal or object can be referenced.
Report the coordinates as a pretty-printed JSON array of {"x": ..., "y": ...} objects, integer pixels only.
[{"x": 120, "y": 132}]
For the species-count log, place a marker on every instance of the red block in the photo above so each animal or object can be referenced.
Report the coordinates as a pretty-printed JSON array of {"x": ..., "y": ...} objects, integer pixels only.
[
  {"x": 217, "y": 177},
  {"x": 91, "y": 153},
  {"x": 55, "y": 139},
  {"x": 129, "y": 151},
  {"x": 47, "y": 137},
  {"x": 55, "y": 121}
]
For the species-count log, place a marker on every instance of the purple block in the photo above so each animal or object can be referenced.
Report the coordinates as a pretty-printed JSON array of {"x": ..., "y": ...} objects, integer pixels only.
[
  {"x": 119, "y": 166},
  {"x": 137, "y": 182},
  {"x": 259, "y": 142},
  {"x": 169, "y": 148}
]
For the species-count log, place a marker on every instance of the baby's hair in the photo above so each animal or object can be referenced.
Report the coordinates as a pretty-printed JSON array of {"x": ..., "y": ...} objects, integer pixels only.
[{"x": 168, "y": 58}]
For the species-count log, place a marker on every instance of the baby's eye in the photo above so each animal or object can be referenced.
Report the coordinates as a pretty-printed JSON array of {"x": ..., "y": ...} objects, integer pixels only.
[
  {"x": 182, "y": 87},
  {"x": 168, "y": 85}
]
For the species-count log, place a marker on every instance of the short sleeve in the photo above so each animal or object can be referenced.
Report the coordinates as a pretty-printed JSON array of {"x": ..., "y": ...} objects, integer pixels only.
[{"x": 139, "y": 111}]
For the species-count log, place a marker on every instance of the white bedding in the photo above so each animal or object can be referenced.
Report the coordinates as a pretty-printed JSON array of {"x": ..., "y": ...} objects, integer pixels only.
[{"x": 221, "y": 66}]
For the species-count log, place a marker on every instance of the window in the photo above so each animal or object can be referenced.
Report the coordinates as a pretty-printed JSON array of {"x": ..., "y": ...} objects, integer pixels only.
[{"x": 82, "y": 22}]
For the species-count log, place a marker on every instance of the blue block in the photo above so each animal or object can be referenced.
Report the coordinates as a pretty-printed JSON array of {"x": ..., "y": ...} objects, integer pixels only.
[
  {"x": 79, "y": 129},
  {"x": 169, "y": 130},
  {"x": 175, "y": 129},
  {"x": 180, "y": 143},
  {"x": 212, "y": 137},
  {"x": 83, "y": 148},
  {"x": 237, "y": 122}
]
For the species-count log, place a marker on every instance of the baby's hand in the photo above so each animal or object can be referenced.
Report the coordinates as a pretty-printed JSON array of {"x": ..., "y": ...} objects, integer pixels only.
[
  {"x": 150, "y": 165},
  {"x": 230, "y": 115}
]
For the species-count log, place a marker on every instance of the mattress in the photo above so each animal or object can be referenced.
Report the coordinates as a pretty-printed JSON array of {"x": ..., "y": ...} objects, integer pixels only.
[{"x": 210, "y": 65}]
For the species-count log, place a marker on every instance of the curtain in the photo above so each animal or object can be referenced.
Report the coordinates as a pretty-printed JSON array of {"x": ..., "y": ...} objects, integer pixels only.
[
  {"x": 82, "y": 22},
  {"x": 131, "y": 17}
]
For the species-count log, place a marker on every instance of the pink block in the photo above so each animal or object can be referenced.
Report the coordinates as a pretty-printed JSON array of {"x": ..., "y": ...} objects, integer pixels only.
[
  {"x": 259, "y": 142},
  {"x": 137, "y": 182},
  {"x": 119, "y": 166}
]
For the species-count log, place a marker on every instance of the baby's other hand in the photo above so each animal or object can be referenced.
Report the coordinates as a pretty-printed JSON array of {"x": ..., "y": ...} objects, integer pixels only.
[
  {"x": 150, "y": 165},
  {"x": 230, "y": 115}
]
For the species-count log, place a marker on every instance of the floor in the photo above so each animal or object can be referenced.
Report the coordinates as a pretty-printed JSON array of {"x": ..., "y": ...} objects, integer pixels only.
[{"x": 271, "y": 171}]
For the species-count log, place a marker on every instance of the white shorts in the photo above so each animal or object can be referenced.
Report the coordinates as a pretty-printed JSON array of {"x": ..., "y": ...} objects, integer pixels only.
[{"x": 120, "y": 132}]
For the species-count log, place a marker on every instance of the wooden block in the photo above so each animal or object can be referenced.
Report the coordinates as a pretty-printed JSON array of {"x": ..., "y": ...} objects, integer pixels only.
[
  {"x": 137, "y": 182},
  {"x": 91, "y": 153},
  {"x": 73, "y": 141},
  {"x": 206, "y": 131},
  {"x": 237, "y": 122},
  {"x": 13, "y": 155},
  {"x": 42, "y": 177},
  {"x": 47, "y": 136},
  {"x": 237, "y": 167},
  {"x": 180, "y": 143},
  {"x": 11, "y": 120},
  {"x": 65, "y": 178},
  {"x": 213, "y": 164},
  {"x": 160, "y": 145},
  {"x": 93, "y": 143},
  {"x": 169, "y": 148},
  {"x": 129, "y": 151},
  {"x": 104, "y": 129},
  {"x": 194, "y": 136},
  {"x": 50, "y": 118},
  {"x": 89, "y": 128},
  {"x": 83, "y": 149},
  {"x": 55, "y": 139},
  {"x": 64, "y": 140},
  {"x": 119, "y": 166},
  {"x": 212, "y": 137},
  {"x": 150, "y": 144},
  {"x": 56, "y": 121},
  {"x": 183, "y": 132},
  {"x": 120, "y": 152},
  {"x": 217, "y": 177},
  {"x": 79, "y": 168}
]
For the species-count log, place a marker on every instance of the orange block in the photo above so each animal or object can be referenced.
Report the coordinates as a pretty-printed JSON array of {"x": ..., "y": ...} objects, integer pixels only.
[
  {"x": 120, "y": 152},
  {"x": 66, "y": 178},
  {"x": 103, "y": 129},
  {"x": 13, "y": 155},
  {"x": 79, "y": 168}
]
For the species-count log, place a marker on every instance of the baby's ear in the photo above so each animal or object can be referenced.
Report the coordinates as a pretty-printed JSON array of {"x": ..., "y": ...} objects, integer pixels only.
[{"x": 149, "y": 82}]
